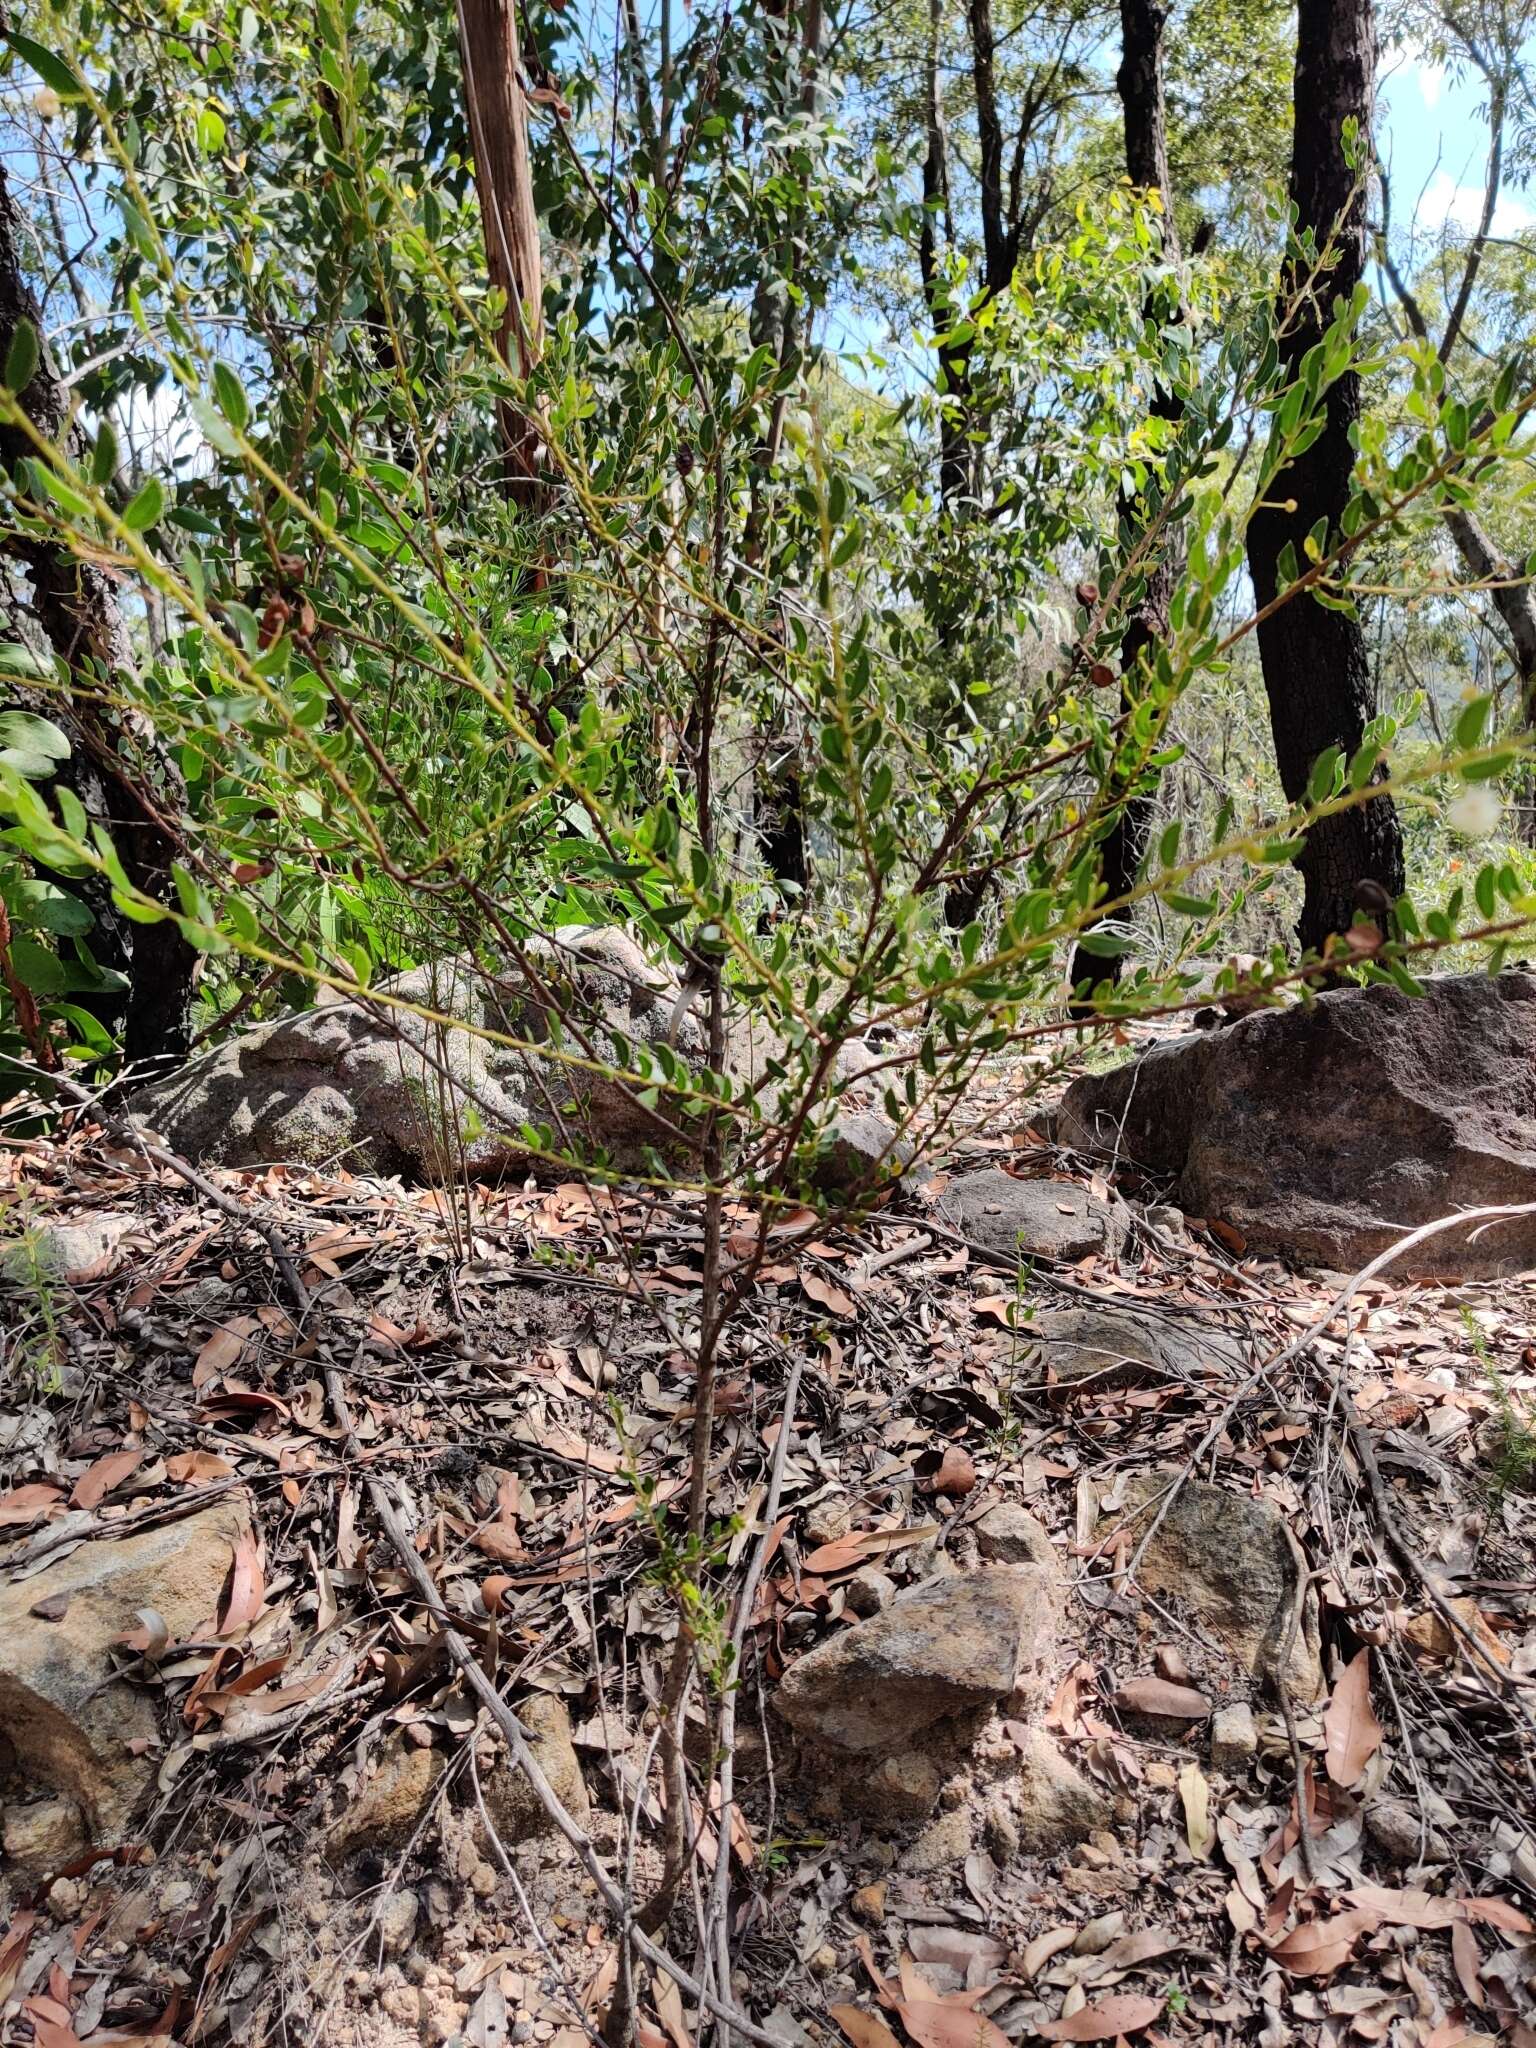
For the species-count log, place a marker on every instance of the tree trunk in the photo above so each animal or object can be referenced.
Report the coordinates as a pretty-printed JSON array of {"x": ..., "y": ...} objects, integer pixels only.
[
  {"x": 1316, "y": 669},
  {"x": 498, "y": 127},
  {"x": 1140, "y": 84},
  {"x": 119, "y": 769}
]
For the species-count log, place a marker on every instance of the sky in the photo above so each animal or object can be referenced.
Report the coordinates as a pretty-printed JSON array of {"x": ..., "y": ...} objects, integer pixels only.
[{"x": 1434, "y": 142}]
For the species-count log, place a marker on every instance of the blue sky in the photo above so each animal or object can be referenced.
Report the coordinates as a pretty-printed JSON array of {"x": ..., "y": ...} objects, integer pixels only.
[{"x": 1434, "y": 142}]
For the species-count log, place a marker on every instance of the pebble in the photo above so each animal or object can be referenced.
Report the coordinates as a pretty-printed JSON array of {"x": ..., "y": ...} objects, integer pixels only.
[
  {"x": 397, "y": 1921},
  {"x": 868, "y": 1904},
  {"x": 868, "y": 1591},
  {"x": 1234, "y": 1738},
  {"x": 825, "y": 1520}
]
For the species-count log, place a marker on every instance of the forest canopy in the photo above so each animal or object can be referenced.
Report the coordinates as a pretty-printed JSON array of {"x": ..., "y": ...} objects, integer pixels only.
[{"x": 964, "y": 517}]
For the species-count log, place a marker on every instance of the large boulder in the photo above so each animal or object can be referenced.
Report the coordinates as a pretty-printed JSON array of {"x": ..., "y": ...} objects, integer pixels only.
[
  {"x": 76, "y": 1729},
  {"x": 374, "y": 1084},
  {"x": 1325, "y": 1131},
  {"x": 945, "y": 1647},
  {"x": 1055, "y": 1220}
]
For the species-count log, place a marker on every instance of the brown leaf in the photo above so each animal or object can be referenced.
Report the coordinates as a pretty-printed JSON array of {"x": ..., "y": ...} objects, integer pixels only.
[
  {"x": 1499, "y": 1913},
  {"x": 1127, "y": 2012},
  {"x": 24, "y": 1505},
  {"x": 1319, "y": 1947},
  {"x": 1350, "y": 1726},
  {"x": 1143, "y": 1946},
  {"x": 1160, "y": 1697},
  {"x": 1468, "y": 1959},
  {"x": 494, "y": 1591},
  {"x": 1228, "y": 1235},
  {"x": 831, "y": 1298},
  {"x": 956, "y": 1475},
  {"x": 949, "y": 2026},
  {"x": 1195, "y": 1796},
  {"x": 1408, "y": 1908},
  {"x": 94, "y": 1484},
  {"x": 193, "y": 1468},
  {"x": 498, "y": 1540},
  {"x": 222, "y": 1350},
  {"x": 864, "y": 2029},
  {"x": 242, "y": 1601}
]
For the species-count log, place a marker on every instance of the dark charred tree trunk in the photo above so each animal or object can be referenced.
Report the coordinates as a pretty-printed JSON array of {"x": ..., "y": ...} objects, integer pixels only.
[
  {"x": 1140, "y": 83},
  {"x": 780, "y": 801},
  {"x": 118, "y": 768},
  {"x": 1317, "y": 672}
]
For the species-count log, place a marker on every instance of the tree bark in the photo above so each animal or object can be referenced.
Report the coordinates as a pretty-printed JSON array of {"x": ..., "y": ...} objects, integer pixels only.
[
  {"x": 119, "y": 768},
  {"x": 497, "y": 108},
  {"x": 1317, "y": 672},
  {"x": 1140, "y": 84}
]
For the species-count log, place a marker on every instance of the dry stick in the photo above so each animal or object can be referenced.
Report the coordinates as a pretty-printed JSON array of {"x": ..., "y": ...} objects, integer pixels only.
[
  {"x": 457, "y": 1647},
  {"x": 719, "y": 1909},
  {"x": 461, "y": 1655},
  {"x": 1493, "y": 1214},
  {"x": 127, "y": 1128}
]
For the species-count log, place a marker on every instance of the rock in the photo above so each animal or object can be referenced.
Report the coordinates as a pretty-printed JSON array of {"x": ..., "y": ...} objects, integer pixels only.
[
  {"x": 396, "y": 1093},
  {"x": 1055, "y": 1805},
  {"x": 825, "y": 1520},
  {"x": 397, "y": 1922},
  {"x": 515, "y": 1812},
  {"x": 1235, "y": 1563},
  {"x": 363, "y": 1078},
  {"x": 858, "y": 1147},
  {"x": 1009, "y": 1534},
  {"x": 1399, "y": 1832},
  {"x": 75, "y": 1727},
  {"x": 945, "y": 1647},
  {"x": 894, "y": 1788},
  {"x": 387, "y": 1806},
  {"x": 44, "y": 1835},
  {"x": 1323, "y": 1132},
  {"x": 1116, "y": 1347},
  {"x": 1032, "y": 1219},
  {"x": 1234, "y": 1738},
  {"x": 868, "y": 1903},
  {"x": 944, "y": 1842},
  {"x": 868, "y": 1591},
  {"x": 67, "y": 1252}
]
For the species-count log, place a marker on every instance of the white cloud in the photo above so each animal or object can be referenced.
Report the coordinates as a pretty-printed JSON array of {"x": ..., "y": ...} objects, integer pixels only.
[
  {"x": 1461, "y": 206},
  {"x": 1431, "y": 82}
]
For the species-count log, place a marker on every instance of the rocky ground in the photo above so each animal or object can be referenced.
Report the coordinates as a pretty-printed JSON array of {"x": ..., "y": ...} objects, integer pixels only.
[{"x": 1141, "y": 1648}]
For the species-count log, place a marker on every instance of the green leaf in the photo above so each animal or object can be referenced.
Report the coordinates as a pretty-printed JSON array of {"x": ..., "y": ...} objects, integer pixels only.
[
  {"x": 48, "y": 908},
  {"x": 1469, "y": 723},
  {"x": 31, "y": 745},
  {"x": 19, "y": 660},
  {"x": 230, "y": 393},
  {"x": 147, "y": 506},
  {"x": 53, "y": 71},
  {"x": 104, "y": 454},
  {"x": 21, "y": 358}
]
